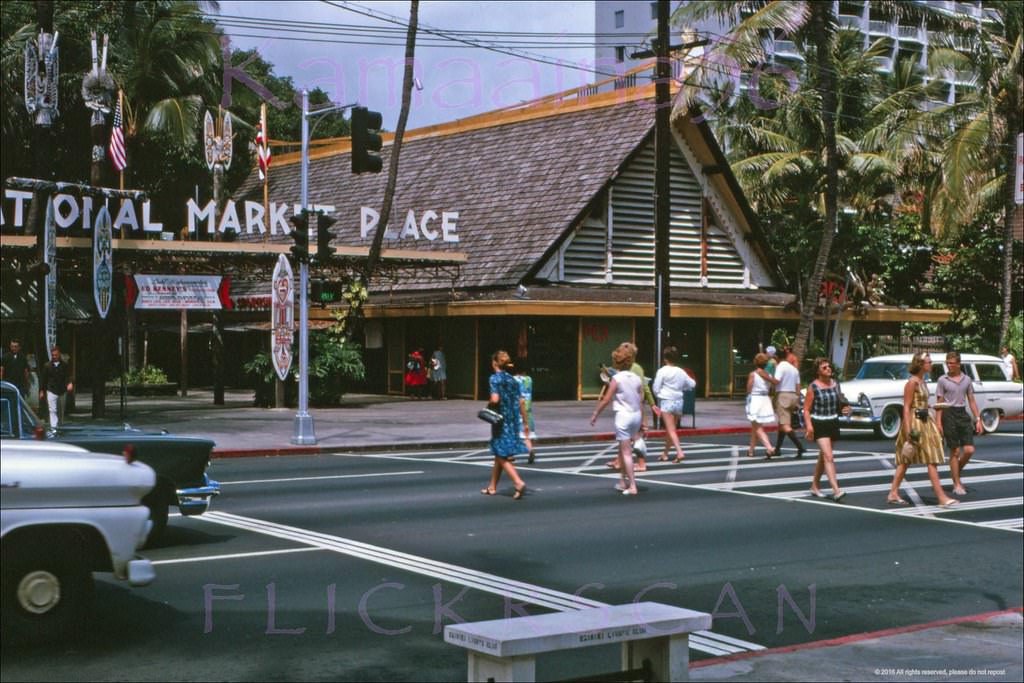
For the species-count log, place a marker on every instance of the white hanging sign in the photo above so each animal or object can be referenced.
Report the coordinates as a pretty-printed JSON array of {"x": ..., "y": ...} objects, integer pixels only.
[
  {"x": 282, "y": 322},
  {"x": 194, "y": 292},
  {"x": 103, "y": 262}
]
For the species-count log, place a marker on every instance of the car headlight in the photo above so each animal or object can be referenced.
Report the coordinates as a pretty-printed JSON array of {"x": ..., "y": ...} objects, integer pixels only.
[{"x": 863, "y": 401}]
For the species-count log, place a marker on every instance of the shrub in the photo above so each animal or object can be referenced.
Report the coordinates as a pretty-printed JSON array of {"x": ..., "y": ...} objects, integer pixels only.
[{"x": 147, "y": 374}]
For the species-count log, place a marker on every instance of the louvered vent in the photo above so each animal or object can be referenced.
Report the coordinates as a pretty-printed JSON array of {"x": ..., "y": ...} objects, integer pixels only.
[{"x": 632, "y": 239}]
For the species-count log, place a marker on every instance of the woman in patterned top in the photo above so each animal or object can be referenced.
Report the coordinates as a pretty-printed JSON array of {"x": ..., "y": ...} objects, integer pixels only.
[
  {"x": 919, "y": 441},
  {"x": 507, "y": 399},
  {"x": 822, "y": 405}
]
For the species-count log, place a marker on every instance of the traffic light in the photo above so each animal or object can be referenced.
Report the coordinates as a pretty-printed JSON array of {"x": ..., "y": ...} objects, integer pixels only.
[
  {"x": 324, "y": 250},
  {"x": 366, "y": 140},
  {"x": 300, "y": 233}
]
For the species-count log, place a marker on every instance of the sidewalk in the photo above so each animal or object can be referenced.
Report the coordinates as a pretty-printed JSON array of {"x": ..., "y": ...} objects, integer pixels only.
[{"x": 372, "y": 422}]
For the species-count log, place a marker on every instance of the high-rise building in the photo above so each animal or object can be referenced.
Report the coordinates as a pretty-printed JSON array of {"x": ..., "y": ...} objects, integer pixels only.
[{"x": 624, "y": 27}]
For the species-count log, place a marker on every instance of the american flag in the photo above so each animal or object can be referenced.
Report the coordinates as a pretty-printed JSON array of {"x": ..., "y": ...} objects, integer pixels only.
[
  {"x": 262, "y": 150},
  {"x": 117, "y": 152}
]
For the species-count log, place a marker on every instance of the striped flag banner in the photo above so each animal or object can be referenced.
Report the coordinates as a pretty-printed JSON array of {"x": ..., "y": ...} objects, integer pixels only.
[
  {"x": 118, "y": 157},
  {"x": 262, "y": 149}
]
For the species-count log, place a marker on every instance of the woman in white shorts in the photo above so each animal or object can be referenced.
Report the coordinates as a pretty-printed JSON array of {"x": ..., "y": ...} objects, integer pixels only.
[
  {"x": 759, "y": 405},
  {"x": 670, "y": 384},
  {"x": 626, "y": 389}
]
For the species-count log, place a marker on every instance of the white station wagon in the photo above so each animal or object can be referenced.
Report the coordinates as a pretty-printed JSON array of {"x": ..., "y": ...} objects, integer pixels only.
[{"x": 876, "y": 393}]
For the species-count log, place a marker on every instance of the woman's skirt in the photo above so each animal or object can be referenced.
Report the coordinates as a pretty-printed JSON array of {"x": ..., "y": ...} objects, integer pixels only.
[{"x": 760, "y": 409}]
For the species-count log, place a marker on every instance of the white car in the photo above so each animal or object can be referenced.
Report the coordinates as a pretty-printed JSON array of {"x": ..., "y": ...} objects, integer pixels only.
[
  {"x": 65, "y": 513},
  {"x": 876, "y": 393}
]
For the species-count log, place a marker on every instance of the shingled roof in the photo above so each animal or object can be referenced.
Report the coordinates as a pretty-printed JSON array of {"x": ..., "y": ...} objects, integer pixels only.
[{"x": 517, "y": 187}]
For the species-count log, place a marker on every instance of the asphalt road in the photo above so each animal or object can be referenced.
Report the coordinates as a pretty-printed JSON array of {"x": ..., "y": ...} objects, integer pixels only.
[{"x": 346, "y": 567}]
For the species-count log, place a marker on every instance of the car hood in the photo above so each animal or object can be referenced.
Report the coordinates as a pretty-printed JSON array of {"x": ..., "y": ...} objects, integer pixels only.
[
  {"x": 874, "y": 389},
  {"x": 47, "y": 475}
]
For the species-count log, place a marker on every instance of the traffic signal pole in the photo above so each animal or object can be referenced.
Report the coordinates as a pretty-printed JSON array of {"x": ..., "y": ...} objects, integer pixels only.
[{"x": 303, "y": 432}]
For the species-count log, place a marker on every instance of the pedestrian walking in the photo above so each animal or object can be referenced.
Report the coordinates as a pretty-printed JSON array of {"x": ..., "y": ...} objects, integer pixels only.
[
  {"x": 639, "y": 444},
  {"x": 670, "y": 383},
  {"x": 505, "y": 442},
  {"x": 787, "y": 400},
  {"x": 822, "y": 406},
  {"x": 1010, "y": 367},
  {"x": 954, "y": 391},
  {"x": 759, "y": 405},
  {"x": 773, "y": 360},
  {"x": 626, "y": 389},
  {"x": 439, "y": 372},
  {"x": 919, "y": 441},
  {"x": 14, "y": 367},
  {"x": 522, "y": 375},
  {"x": 54, "y": 385},
  {"x": 416, "y": 374}
]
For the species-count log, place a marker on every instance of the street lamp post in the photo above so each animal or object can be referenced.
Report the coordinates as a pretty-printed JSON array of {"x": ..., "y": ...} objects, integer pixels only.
[{"x": 303, "y": 432}]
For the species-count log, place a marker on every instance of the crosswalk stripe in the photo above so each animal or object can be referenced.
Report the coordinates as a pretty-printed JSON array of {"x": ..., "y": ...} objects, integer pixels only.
[
  {"x": 864, "y": 474},
  {"x": 706, "y": 641},
  {"x": 756, "y": 465},
  {"x": 924, "y": 483},
  {"x": 1015, "y": 523},
  {"x": 963, "y": 506}
]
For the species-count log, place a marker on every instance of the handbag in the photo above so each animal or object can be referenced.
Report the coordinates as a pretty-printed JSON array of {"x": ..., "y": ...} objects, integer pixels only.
[
  {"x": 908, "y": 451},
  {"x": 491, "y": 417}
]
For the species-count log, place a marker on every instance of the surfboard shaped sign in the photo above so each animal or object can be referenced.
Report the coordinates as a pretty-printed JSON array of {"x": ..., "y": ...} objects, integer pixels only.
[
  {"x": 103, "y": 262},
  {"x": 282, "y": 324}
]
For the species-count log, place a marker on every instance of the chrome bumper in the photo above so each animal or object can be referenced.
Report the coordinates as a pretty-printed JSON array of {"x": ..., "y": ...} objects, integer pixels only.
[
  {"x": 859, "y": 417},
  {"x": 196, "y": 500}
]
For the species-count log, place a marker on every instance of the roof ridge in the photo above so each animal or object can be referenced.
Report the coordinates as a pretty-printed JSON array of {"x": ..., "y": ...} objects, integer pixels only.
[{"x": 544, "y": 108}]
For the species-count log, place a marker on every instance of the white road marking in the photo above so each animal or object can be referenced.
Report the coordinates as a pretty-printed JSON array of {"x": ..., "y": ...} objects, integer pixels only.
[
  {"x": 730, "y": 475},
  {"x": 862, "y": 474},
  {"x": 1013, "y": 524},
  {"x": 913, "y": 484},
  {"x": 326, "y": 476},
  {"x": 705, "y": 641},
  {"x": 234, "y": 556},
  {"x": 590, "y": 461},
  {"x": 992, "y": 503}
]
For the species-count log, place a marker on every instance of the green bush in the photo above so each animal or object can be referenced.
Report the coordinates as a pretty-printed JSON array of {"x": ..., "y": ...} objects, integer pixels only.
[
  {"x": 147, "y": 374},
  {"x": 333, "y": 361}
]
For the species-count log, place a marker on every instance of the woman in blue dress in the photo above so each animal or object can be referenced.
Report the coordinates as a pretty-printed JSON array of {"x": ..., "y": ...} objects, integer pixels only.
[{"x": 507, "y": 399}]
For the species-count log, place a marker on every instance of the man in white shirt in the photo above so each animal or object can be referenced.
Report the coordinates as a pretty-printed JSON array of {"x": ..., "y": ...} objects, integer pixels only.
[
  {"x": 787, "y": 399},
  {"x": 1010, "y": 368}
]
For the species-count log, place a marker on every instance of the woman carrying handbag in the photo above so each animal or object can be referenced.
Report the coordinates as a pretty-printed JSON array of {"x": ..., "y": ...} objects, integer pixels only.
[{"x": 506, "y": 399}]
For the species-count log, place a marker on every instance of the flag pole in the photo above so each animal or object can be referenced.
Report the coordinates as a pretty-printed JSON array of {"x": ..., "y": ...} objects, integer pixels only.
[
  {"x": 266, "y": 171},
  {"x": 120, "y": 105}
]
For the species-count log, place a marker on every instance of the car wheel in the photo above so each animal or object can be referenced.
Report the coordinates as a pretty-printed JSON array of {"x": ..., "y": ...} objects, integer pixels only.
[
  {"x": 46, "y": 594},
  {"x": 990, "y": 420},
  {"x": 891, "y": 422}
]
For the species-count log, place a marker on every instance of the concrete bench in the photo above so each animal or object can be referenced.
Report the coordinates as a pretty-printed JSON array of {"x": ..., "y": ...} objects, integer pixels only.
[{"x": 505, "y": 649}]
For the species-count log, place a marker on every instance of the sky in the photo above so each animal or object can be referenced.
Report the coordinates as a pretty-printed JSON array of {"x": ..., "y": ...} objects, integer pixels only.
[{"x": 457, "y": 81}]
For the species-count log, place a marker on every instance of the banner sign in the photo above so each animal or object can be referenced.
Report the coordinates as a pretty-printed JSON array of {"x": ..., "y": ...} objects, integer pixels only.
[
  {"x": 176, "y": 292},
  {"x": 50, "y": 290},
  {"x": 282, "y": 322},
  {"x": 103, "y": 262}
]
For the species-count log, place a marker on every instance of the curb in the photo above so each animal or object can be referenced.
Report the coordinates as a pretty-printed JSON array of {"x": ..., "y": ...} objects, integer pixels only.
[
  {"x": 855, "y": 638},
  {"x": 548, "y": 441},
  {"x": 379, "y": 448}
]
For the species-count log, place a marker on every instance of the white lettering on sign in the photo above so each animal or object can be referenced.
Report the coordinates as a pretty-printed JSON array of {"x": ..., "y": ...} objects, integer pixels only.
[
  {"x": 147, "y": 225},
  {"x": 229, "y": 218},
  {"x": 254, "y": 215},
  {"x": 65, "y": 220},
  {"x": 411, "y": 229},
  {"x": 194, "y": 212},
  {"x": 277, "y": 218},
  {"x": 19, "y": 197},
  {"x": 126, "y": 216}
]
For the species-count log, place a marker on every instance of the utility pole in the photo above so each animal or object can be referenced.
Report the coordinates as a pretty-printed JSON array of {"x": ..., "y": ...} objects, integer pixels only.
[{"x": 662, "y": 196}]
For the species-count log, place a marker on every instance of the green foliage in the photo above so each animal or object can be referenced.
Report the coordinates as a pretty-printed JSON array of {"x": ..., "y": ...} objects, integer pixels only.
[
  {"x": 1015, "y": 337},
  {"x": 333, "y": 362},
  {"x": 147, "y": 374}
]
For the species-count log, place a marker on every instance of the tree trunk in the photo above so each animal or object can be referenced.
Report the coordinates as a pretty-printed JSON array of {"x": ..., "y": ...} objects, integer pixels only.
[
  {"x": 1008, "y": 211},
  {"x": 396, "y": 146},
  {"x": 826, "y": 86}
]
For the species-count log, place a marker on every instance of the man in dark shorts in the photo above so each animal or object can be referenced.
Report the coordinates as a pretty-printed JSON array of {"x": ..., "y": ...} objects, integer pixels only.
[{"x": 958, "y": 429}]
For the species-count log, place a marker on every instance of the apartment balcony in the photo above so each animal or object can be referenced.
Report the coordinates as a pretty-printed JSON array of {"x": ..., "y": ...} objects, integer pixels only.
[
  {"x": 883, "y": 64},
  {"x": 971, "y": 9},
  {"x": 880, "y": 28},
  {"x": 786, "y": 48},
  {"x": 850, "y": 21},
  {"x": 912, "y": 33},
  {"x": 965, "y": 78}
]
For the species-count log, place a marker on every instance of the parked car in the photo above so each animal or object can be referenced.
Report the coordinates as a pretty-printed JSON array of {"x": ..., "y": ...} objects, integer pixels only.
[
  {"x": 65, "y": 513},
  {"x": 180, "y": 462},
  {"x": 876, "y": 393}
]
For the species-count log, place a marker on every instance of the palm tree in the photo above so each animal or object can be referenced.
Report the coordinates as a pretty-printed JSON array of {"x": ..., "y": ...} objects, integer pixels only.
[
  {"x": 976, "y": 169},
  {"x": 812, "y": 25}
]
